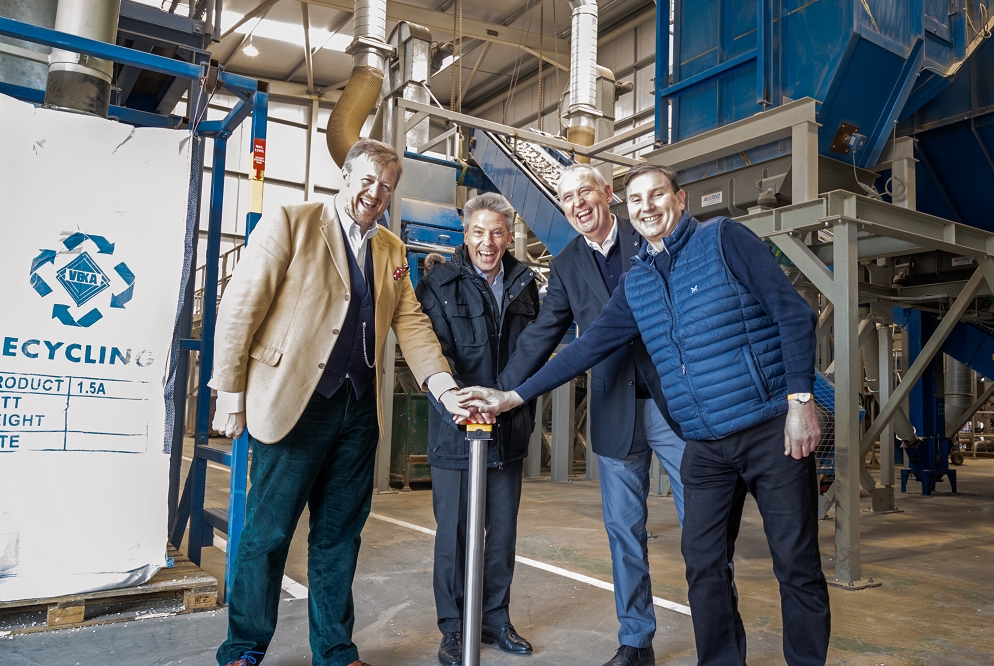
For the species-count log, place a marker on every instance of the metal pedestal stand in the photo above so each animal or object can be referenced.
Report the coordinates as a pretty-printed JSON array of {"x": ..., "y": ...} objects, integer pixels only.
[{"x": 479, "y": 436}]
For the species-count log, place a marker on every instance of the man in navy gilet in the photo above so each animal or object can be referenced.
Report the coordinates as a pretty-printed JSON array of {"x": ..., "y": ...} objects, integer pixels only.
[{"x": 734, "y": 346}]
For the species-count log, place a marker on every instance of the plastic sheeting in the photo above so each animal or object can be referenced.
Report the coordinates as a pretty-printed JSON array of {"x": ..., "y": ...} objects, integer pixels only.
[{"x": 93, "y": 228}]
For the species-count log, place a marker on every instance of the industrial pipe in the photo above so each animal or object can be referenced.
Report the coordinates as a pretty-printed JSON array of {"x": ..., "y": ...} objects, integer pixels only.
[
  {"x": 582, "y": 110},
  {"x": 871, "y": 367},
  {"x": 368, "y": 50},
  {"x": 78, "y": 82},
  {"x": 960, "y": 389}
]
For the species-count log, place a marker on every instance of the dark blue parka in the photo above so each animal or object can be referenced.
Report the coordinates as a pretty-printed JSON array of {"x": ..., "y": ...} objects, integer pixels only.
[{"x": 477, "y": 342}]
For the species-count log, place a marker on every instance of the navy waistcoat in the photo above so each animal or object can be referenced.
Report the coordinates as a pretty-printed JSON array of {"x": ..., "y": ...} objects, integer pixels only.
[
  {"x": 716, "y": 350},
  {"x": 348, "y": 358}
]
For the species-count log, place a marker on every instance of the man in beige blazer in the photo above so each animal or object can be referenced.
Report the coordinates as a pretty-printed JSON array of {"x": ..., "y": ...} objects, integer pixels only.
[{"x": 299, "y": 347}]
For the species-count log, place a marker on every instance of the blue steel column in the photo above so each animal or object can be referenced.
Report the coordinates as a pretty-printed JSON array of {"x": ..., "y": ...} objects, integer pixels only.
[
  {"x": 197, "y": 527},
  {"x": 927, "y": 413},
  {"x": 240, "y": 446},
  {"x": 662, "y": 69},
  {"x": 762, "y": 39}
]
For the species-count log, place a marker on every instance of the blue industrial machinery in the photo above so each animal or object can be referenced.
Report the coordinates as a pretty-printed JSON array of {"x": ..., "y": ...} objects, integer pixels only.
[
  {"x": 955, "y": 144},
  {"x": 535, "y": 202},
  {"x": 868, "y": 63},
  {"x": 205, "y": 78},
  {"x": 929, "y": 461}
]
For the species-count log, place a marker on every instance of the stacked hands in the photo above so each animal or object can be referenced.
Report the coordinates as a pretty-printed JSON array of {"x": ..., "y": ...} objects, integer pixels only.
[{"x": 482, "y": 405}]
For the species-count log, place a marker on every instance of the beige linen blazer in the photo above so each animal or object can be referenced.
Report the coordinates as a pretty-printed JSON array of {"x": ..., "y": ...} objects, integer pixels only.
[{"x": 281, "y": 313}]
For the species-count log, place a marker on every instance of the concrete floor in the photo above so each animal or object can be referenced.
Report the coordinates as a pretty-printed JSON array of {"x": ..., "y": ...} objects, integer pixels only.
[{"x": 935, "y": 606}]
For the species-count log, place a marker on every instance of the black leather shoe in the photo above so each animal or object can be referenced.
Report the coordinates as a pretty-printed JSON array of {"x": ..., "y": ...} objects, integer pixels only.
[
  {"x": 633, "y": 656},
  {"x": 450, "y": 651},
  {"x": 506, "y": 638}
]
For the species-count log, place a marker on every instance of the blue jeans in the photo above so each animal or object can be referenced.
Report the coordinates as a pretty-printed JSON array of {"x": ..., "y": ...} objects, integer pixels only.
[
  {"x": 326, "y": 463},
  {"x": 717, "y": 475},
  {"x": 624, "y": 489}
]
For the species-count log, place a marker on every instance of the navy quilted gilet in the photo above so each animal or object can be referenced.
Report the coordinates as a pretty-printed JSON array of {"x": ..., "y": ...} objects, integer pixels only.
[{"x": 716, "y": 350}]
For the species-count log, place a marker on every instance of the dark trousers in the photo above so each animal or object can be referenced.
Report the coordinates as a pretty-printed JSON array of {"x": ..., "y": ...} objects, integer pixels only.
[
  {"x": 716, "y": 476},
  {"x": 326, "y": 463},
  {"x": 449, "y": 491}
]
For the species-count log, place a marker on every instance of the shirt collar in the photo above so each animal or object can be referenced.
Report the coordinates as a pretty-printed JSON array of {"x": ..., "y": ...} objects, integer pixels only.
[
  {"x": 612, "y": 237},
  {"x": 350, "y": 226},
  {"x": 497, "y": 280}
]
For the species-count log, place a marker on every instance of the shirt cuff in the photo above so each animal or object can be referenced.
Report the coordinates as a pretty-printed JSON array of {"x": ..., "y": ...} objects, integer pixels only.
[
  {"x": 441, "y": 382},
  {"x": 230, "y": 403},
  {"x": 800, "y": 383}
]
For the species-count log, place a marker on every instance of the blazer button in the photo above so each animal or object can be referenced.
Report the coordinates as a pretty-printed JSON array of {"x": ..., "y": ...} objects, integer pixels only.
[
  {"x": 631, "y": 383},
  {"x": 321, "y": 366},
  {"x": 631, "y": 342},
  {"x": 346, "y": 297},
  {"x": 334, "y": 331}
]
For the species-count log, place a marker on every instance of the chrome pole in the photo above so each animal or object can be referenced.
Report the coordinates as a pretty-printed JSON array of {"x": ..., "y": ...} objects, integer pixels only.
[{"x": 479, "y": 436}]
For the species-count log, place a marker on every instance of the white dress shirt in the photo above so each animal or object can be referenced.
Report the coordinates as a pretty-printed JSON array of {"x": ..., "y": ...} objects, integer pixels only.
[{"x": 612, "y": 238}]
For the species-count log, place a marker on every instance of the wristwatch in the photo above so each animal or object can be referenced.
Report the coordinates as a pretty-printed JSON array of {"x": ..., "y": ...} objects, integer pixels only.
[{"x": 803, "y": 398}]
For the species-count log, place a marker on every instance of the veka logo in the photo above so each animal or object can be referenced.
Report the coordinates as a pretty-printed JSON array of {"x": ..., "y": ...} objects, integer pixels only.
[{"x": 82, "y": 278}]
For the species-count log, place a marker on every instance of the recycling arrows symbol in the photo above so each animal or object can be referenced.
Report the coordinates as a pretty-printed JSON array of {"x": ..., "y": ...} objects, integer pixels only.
[{"x": 61, "y": 312}]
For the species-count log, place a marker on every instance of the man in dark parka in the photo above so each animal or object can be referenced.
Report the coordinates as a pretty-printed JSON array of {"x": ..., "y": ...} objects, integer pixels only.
[{"x": 479, "y": 303}]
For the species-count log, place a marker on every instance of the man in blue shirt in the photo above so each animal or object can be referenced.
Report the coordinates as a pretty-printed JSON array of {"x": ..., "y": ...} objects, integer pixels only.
[{"x": 734, "y": 347}]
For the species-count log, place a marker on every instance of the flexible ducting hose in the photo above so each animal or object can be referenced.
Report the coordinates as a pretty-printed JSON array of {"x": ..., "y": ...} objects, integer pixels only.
[
  {"x": 581, "y": 135},
  {"x": 352, "y": 109},
  {"x": 363, "y": 89}
]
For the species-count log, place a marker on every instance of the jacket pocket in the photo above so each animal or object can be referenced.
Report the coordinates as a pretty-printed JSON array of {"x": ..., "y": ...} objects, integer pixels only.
[
  {"x": 265, "y": 354},
  {"x": 757, "y": 376},
  {"x": 468, "y": 323}
]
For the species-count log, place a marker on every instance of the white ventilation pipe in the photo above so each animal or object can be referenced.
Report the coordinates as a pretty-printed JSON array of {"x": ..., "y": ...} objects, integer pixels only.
[
  {"x": 369, "y": 50},
  {"x": 75, "y": 81},
  {"x": 582, "y": 110}
]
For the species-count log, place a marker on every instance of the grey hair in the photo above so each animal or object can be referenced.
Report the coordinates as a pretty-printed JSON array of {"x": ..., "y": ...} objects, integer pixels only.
[
  {"x": 581, "y": 168},
  {"x": 488, "y": 201}
]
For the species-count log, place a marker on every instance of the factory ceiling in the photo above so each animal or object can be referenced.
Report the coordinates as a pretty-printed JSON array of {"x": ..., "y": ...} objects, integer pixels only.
[{"x": 501, "y": 40}]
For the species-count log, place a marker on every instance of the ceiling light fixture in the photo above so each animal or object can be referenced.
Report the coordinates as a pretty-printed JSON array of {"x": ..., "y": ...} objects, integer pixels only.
[{"x": 250, "y": 49}]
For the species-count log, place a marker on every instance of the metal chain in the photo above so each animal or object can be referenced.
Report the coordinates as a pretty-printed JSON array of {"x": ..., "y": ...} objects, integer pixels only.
[
  {"x": 365, "y": 356},
  {"x": 559, "y": 90},
  {"x": 459, "y": 4},
  {"x": 541, "y": 55},
  {"x": 452, "y": 67}
]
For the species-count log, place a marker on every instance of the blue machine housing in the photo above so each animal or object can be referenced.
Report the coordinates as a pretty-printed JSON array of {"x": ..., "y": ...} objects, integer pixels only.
[
  {"x": 955, "y": 144},
  {"x": 870, "y": 63}
]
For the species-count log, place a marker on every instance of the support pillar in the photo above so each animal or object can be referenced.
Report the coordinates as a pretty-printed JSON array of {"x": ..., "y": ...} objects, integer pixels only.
[
  {"x": 381, "y": 471},
  {"x": 804, "y": 162},
  {"x": 885, "y": 342},
  {"x": 847, "y": 381},
  {"x": 593, "y": 473},
  {"x": 533, "y": 463},
  {"x": 563, "y": 400},
  {"x": 313, "y": 140}
]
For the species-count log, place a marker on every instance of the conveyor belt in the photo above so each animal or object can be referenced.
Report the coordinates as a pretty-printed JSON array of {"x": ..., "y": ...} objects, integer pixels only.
[{"x": 527, "y": 175}]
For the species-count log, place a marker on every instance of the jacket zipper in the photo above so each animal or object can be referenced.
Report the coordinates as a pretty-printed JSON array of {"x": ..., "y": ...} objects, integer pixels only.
[{"x": 683, "y": 366}]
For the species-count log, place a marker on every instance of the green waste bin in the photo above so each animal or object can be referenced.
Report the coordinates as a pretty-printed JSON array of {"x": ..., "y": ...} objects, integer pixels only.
[{"x": 409, "y": 449}]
